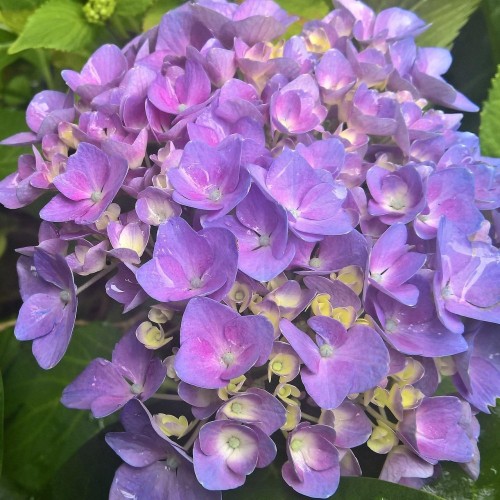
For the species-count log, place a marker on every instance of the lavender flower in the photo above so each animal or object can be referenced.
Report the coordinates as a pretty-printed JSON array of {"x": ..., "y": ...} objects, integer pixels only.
[
  {"x": 224, "y": 340},
  {"x": 48, "y": 313},
  {"x": 104, "y": 386},
  {"x": 88, "y": 186}
]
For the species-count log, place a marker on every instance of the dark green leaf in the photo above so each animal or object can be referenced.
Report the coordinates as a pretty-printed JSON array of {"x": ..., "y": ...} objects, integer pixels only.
[
  {"x": 69, "y": 482},
  {"x": 57, "y": 24},
  {"x": 157, "y": 11},
  {"x": 1, "y": 422},
  {"x": 11, "y": 122},
  {"x": 267, "y": 483},
  {"x": 447, "y": 17},
  {"x": 491, "y": 10},
  {"x": 41, "y": 434},
  {"x": 490, "y": 120}
]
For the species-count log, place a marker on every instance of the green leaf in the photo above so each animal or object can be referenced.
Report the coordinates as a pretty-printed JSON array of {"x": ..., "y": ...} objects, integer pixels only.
[
  {"x": 267, "y": 483},
  {"x": 11, "y": 122},
  {"x": 57, "y": 24},
  {"x": 68, "y": 482},
  {"x": 157, "y": 11},
  {"x": 490, "y": 120},
  {"x": 306, "y": 11},
  {"x": 132, "y": 7},
  {"x": 447, "y": 17},
  {"x": 40, "y": 433},
  {"x": 1, "y": 422}
]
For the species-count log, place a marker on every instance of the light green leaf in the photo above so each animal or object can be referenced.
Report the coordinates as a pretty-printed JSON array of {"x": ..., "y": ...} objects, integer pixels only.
[
  {"x": 57, "y": 24},
  {"x": 447, "y": 17},
  {"x": 490, "y": 120},
  {"x": 40, "y": 433},
  {"x": 132, "y": 7},
  {"x": 11, "y": 122},
  {"x": 157, "y": 11},
  {"x": 306, "y": 11}
]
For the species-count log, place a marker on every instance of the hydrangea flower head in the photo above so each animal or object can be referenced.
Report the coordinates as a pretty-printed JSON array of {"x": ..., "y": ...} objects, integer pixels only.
[{"x": 307, "y": 245}]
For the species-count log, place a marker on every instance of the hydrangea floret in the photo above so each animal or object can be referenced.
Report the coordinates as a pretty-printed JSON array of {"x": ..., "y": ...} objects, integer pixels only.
[{"x": 307, "y": 244}]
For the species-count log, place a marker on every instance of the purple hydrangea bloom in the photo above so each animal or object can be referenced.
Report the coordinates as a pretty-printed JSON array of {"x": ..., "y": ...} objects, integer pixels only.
[
  {"x": 312, "y": 201},
  {"x": 332, "y": 253},
  {"x": 187, "y": 263},
  {"x": 261, "y": 229},
  {"x": 478, "y": 369},
  {"x": 467, "y": 280},
  {"x": 392, "y": 264},
  {"x": 91, "y": 181},
  {"x": 105, "y": 68},
  {"x": 217, "y": 344},
  {"x": 105, "y": 386},
  {"x": 416, "y": 330},
  {"x": 296, "y": 108},
  {"x": 402, "y": 466},
  {"x": 438, "y": 429},
  {"x": 340, "y": 362},
  {"x": 210, "y": 178},
  {"x": 313, "y": 461},
  {"x": 125, "y": 289},
  {"x": 48, "y": 313},
  {"x": 255, "y": 407},
  {"x": 398, "y": 196},
  {"x": 352, "y": 426},
  {"x": 450, "y": 194},
  {"x": 204, "y": 402},
  {"x": 351, "y": 230},
  {"x": 226, "y": 452},
  {"x": 153, "y": 464},
  {"x": 45, "y": 111}
]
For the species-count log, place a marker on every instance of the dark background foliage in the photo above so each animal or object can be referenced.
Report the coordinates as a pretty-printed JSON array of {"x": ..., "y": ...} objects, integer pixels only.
[{"x": 50, "y": 452}]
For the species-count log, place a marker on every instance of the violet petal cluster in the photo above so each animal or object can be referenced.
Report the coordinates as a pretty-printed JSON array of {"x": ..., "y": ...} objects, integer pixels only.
[{"x": 307, "y": 245}]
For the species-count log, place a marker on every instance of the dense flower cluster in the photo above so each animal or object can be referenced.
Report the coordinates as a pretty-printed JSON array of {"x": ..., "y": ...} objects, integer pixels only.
[{"x": 311, "y": 245}]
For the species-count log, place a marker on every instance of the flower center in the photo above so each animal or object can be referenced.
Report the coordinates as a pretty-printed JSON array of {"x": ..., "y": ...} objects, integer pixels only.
[
  {"x": 239, "y": 295},
  {"x": 398, "y": 203},
  {"x": 236, "y": 407},
  {"x": 326, "y": 350},
  {"x": 315, "y": 262},
  {"x": 96, "y": 196},
  {"x": 196, "y": 283},
  {"x": 264, "y": 240},
  {"x": 296, "y": 444},
  {"x": 136, "y": 388},
  {"x": 390, "y": 326},
  {"x": 172, "y": 463},
  {"x": 65, "y": 296},
  {"x": 295, "y": 212},
  {"x": 228, "y": 358},
  {"x": 277, "y": 366},
  {"x": 233, "y": 442},
  {"x": 182, "y": 107},
  {"x": 446, "y": 292},
  {"x": 214, "y": 194}
]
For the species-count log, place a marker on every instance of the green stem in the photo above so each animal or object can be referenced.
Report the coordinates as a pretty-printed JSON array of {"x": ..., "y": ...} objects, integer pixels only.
[
  {"x": 193, "y": 436},
  {"x": 309, "y": 417},
  {"x": 378, "y": 416},
  {"x": 167, "y": 397},
  {"x": 96, "y": 278},
  {"x": 45, "y": 68}
]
